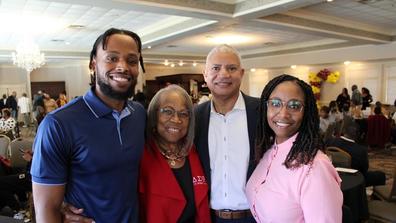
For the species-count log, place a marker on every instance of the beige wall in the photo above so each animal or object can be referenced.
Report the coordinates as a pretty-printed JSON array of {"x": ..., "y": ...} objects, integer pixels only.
[
  {"x": 75, "y": 74},
  {"x": 378, "y": 77}
]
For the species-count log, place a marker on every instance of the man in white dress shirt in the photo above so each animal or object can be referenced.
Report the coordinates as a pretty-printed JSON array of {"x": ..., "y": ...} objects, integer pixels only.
[{"x": 225, "y": 132}]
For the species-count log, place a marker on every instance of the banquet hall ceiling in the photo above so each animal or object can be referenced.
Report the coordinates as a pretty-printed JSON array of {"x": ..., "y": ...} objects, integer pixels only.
[{"x": 188, "y": 29}]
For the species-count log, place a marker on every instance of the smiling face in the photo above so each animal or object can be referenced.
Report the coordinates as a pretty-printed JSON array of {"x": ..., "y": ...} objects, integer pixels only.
[
  {"x": 116, "y": 67},
  {"x": 285, "y": 122},
  {"x": 172, "y": 128},
  {"x": 223, "y": 74}
]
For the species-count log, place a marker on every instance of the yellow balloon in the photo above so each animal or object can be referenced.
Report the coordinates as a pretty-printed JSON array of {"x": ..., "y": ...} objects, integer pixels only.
[{"x": 315, "y": 89}]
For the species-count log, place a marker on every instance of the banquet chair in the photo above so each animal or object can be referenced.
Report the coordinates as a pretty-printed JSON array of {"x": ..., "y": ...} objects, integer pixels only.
[
  {"x": 339, "y": 157},
  {"x": 17, "y": 162},
  {"x": 4, "y": 145},
  {"x": 386, "y": 192}
]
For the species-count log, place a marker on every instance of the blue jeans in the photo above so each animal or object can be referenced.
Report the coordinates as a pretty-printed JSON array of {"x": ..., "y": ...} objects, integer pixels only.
[{"x": 14, "y": 114}]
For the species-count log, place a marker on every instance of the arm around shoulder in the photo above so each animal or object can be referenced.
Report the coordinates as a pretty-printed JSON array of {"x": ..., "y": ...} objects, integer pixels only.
[{"x": 47, "y": 202}]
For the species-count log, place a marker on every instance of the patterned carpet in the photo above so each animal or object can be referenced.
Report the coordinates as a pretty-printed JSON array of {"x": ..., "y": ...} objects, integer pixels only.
[{"x": 384, "y": 160}]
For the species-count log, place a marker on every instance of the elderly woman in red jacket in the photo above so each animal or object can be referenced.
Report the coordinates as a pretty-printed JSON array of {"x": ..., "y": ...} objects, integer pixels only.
[{"x": 172, "y": 185}]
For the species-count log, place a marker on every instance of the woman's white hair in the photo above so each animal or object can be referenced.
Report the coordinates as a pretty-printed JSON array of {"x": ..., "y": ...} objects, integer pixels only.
[{"x": 186, "y": 142}]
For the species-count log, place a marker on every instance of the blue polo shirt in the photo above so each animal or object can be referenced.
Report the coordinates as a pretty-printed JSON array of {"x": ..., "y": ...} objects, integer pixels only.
[{"x": 95, "y": 151}]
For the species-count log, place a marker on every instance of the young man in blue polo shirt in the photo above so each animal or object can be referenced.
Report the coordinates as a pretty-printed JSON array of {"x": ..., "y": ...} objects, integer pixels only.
[{"x": 87, "y": 152}]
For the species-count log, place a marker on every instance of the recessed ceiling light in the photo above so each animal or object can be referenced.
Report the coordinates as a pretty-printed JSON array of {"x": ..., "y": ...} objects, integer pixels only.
[
  {"x": 268, "y": 44},
  {"x": 293, "y": 66},
  {"x": 76, "y": 26},
  {"x": 194, "y": 64},
  {"x": 347, "y": 62},
  {"x": 166, "y": 63},
  {"x": 148, "y": 47},
  {"x": 172, "y": 65},
  {"x": 67, "y": 43},
  {"x": 181, "y": 63},
  {"x": 253, "y": 70},
  {"x": 329, "y": 0}
]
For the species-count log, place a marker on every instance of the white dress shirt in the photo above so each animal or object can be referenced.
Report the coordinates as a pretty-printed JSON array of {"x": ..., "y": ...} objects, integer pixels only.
[
  {"x": 24, "y": 105},
  {"x": 229, "y": 151}
]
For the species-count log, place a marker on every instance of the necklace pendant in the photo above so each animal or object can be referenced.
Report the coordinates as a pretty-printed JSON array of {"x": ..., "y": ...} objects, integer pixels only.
[{"x": 172, "y": 162}]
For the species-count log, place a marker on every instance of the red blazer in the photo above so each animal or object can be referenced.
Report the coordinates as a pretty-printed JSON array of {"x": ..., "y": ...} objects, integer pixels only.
[{"x": 161, "y": 200}]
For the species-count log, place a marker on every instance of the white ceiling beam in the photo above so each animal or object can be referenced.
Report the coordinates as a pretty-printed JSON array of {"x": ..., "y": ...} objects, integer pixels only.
[
  {"x": 177, "y": 31},
  {"x": 202, "y": 9},
  {"x": 321, "y": 28},
  {"x": 251, "y": 9}
]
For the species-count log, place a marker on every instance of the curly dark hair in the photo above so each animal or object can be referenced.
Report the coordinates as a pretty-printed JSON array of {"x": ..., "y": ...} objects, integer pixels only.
[
  {"x": 308, "y": 141},
  {"x": 102, "y": 39}
]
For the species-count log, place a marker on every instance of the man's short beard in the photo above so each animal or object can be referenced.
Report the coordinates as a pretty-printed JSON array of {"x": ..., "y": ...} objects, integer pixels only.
[{"x": 110, "y": 92}]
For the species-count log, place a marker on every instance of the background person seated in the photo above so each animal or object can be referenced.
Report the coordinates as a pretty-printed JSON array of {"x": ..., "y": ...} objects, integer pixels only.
[
  {"x": 7, "y": 124},
  {"x": 16, "y": 184},
  {"x": 324, "y": 119},
  {"x": 358, "y": 154},
  {"x": 378, "y": 129},
  {"x": 334, "y": 114}
]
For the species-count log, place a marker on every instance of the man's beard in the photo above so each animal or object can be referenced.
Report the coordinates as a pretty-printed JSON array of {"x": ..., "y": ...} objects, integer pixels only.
[{"x": 110, "y": 92}]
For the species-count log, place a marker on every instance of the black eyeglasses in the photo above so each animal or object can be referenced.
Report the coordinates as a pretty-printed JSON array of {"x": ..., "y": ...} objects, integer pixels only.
[
  {"x": 169, "y": 113},
  {"x": 292, "y": 106}
]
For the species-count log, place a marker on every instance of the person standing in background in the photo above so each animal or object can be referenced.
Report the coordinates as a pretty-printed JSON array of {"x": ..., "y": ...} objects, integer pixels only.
[
  {"x": 343, "y": 100},
  {"x": 49, "y": 103},
  {"x": 367, "y": 98},
  {"x": 3, "y": 102},
  {"x": 37, "y": 102},
  {"x": 24, "y": 105},
  {"x": 62, "y": 99},
  {"x": 224, "y": 136},
  {"x": 356, "y": 99},
  {"x": 12, "y": 104}
]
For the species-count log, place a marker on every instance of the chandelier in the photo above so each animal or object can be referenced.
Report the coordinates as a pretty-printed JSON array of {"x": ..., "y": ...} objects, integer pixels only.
[{"x": 28, "y": 56}]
